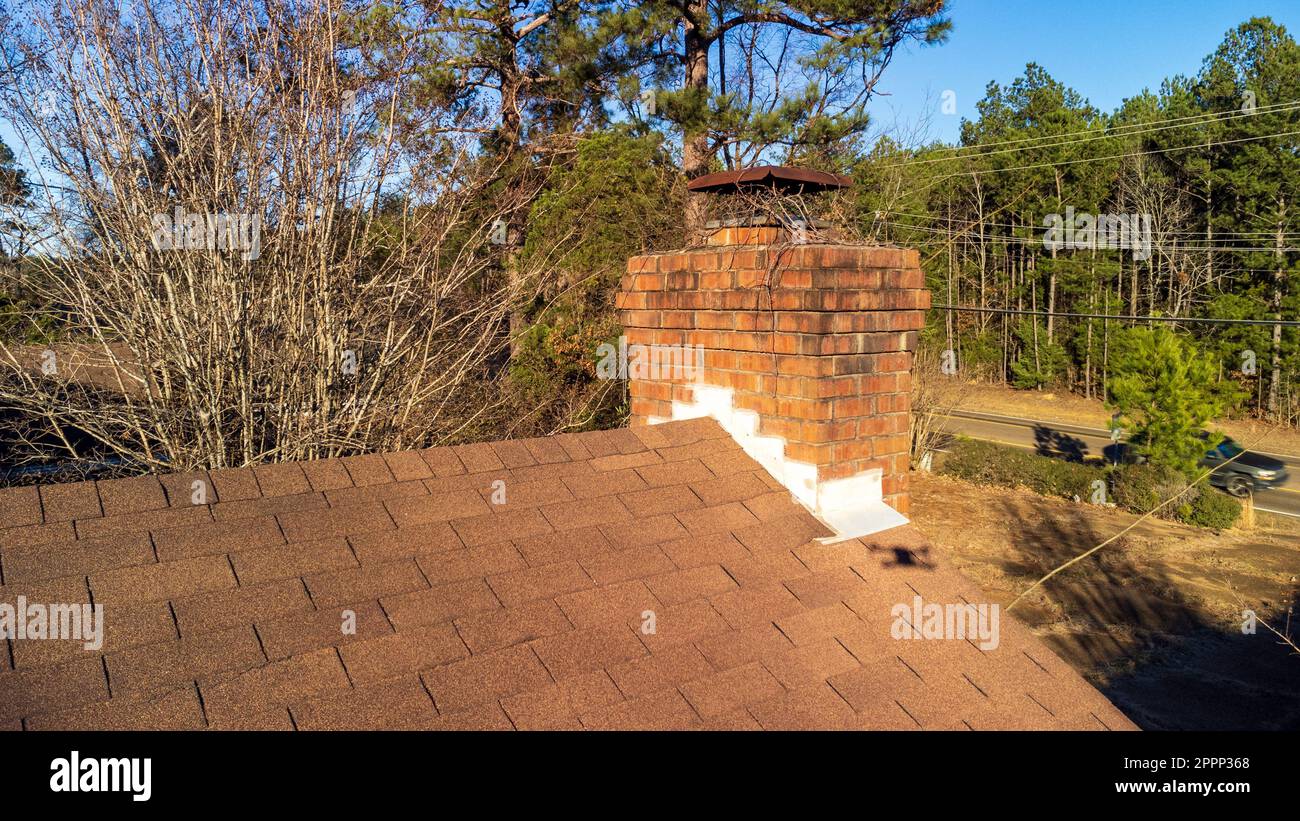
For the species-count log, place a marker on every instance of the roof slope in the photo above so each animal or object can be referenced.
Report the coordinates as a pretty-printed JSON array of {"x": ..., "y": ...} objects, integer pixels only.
[{"x": 472, "y": 614}]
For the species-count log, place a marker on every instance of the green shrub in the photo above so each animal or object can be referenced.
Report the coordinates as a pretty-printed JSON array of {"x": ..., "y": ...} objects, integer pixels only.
[
  {"x": 1139, "y": 488},
  {"x": 992, "y": 464},
  {"x": 1213, "y": 509}
]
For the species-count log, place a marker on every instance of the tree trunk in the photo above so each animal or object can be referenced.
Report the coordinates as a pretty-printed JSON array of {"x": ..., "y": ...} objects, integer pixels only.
[{"x": 695, "y": 140}]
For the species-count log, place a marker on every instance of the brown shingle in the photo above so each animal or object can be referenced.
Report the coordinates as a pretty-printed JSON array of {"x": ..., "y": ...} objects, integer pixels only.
[
  {"x": 118, "y": 496},
  {"x": 501, "y": 527},
  {"x": 397, "y": 704},
  {"x": 176, "y": 710},
  {"x": 311, "y": 630},
  {"x": 438, "y": 508},
  {"x": 470, "y": 563},
  {"x": 439, "y": 604},
  {"x": 404, "y": 543},
  {"x": 264, "y": 564},
  {"x": 370, "y": 581},
  {"x": 235, "y": 484},
  {"x": 36, "y": 562},
  {"x": 326, "y": 474},
  {"x": 47, "y": 689},
  {"x": 322, "y": 524},
  {"x": 579, "y": 651},
  {"x": 167, "y": 580},
  {"x": 274, "y": 685},
  {"x": 544, "y": 582},
  {"x": 284, "y": 479},
  {"x": 140, "y": 522},
  {"x": 489, "y": 677},
  {"x": 633, "y": 605},
  {"x": 75, "y": 500},
  {"x": 210, "y": 538},
  {"x": 406, "y": 651},
  {"x": 20, "y": 506},
  {"x": 148, "y": 670},
  {"x": 367, "y": 469},
  {"x": 200, "y": 614},
  {"x": 486, "y": 632}
]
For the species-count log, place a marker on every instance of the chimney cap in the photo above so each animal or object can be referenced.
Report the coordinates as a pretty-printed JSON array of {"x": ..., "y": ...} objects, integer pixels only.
[{"x": 784, "y": 178}]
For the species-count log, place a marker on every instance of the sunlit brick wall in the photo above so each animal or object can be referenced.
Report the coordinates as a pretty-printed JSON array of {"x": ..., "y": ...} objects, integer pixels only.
[{"x": 818, "y": 339}]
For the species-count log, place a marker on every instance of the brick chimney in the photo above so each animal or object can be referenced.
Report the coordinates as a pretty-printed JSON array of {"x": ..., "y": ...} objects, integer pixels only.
[{"x": 807, "y": 357}]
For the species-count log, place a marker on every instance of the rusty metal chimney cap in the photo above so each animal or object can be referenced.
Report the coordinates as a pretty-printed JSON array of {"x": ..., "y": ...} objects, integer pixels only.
[{"x": 782, "y": 177}]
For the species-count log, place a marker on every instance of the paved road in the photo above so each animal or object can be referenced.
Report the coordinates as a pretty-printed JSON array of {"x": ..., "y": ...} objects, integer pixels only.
[{"x": 1056, "y": 439}]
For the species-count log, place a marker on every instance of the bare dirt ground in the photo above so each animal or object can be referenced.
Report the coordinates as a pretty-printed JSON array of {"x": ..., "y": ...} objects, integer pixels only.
[
  {"x": 1067, "y": 408},
  {"x": 1154, "y": 620}
]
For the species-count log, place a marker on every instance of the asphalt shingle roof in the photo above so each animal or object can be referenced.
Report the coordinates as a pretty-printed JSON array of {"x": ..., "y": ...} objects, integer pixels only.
[{"x": 473, "y": 614}]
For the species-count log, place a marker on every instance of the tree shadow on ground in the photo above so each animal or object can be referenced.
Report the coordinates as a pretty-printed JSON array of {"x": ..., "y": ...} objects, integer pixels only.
[
  {"x": 1160, "y": 656},
  {"x": 1058, "y": 445}
]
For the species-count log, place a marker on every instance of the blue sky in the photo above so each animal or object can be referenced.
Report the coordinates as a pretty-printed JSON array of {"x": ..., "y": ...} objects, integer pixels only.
[{"x": 1106, "y": 50}]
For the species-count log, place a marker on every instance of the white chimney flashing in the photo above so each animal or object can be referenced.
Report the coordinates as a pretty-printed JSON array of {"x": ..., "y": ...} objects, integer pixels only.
[{"x": 851, "y": 507}]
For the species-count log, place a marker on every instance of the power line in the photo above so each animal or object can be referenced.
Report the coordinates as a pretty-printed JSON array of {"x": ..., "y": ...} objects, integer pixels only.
[
  {"x": 1286, "y": 323},
  {"x": 978, "y": 150},
  {"x": 1123, "y": 130}
]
